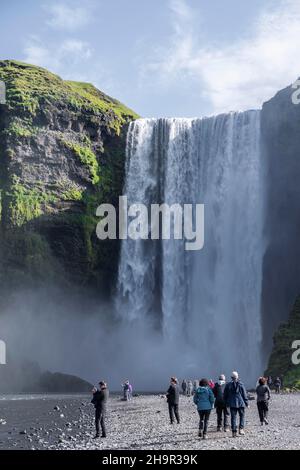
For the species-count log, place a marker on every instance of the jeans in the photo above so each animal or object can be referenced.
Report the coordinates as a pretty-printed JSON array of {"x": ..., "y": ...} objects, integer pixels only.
[
  {"x": 263, "y": 409},
  {"x": 100, "y": 416},
  {"x": 222, "y": 415},
  {"x": 174, "y": 412},
  {"x": 241, "y": 413},
  {"x": 204, "y": 418}
]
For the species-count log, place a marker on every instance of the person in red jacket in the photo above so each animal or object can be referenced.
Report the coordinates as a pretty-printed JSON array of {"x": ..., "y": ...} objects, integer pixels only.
[{"x": 211, "y": 384}]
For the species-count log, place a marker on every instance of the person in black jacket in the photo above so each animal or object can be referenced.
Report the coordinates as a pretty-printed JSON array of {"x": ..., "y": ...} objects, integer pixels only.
[
  {"x": 173, "y": 400},
  {"x": 220, "y": 405},
  {"x": 99, "y": 400}
]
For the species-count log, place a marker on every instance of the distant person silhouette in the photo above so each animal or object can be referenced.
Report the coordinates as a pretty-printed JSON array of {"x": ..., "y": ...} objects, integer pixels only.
[
  {"x": 277, "y": 385},
  {"x": 127, "y": 390},
  {"x": 189, "y": 388}
]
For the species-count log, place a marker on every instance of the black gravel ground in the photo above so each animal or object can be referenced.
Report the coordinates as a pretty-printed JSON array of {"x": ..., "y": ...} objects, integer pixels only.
[{"x": 67, "y": 422}]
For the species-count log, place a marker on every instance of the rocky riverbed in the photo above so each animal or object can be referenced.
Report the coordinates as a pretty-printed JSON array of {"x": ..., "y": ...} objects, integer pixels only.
[{"x": 67, "y": 422}]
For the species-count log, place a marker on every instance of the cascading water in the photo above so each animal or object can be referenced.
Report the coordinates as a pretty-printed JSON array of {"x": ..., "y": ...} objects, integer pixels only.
[{"x": 206, "y": 302}]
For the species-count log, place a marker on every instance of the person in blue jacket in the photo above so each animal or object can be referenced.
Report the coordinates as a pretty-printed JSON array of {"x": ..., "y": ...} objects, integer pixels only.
[
  {"x": 235, "y": 397},
  {"x": 204, "y": 399}
]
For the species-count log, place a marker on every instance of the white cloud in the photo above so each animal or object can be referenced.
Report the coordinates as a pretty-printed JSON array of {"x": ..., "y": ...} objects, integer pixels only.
[
  {"x": 62, "y": 59},
  {"x": 67, "y": 18},
  {"x": 240, "y": 75}
]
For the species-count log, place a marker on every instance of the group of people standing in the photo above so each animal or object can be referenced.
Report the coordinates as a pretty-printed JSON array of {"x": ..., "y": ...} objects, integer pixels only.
[{"x": 230, "y": 400}]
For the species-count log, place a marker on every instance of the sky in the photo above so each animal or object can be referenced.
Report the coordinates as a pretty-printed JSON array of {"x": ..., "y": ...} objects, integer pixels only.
[{"x": 175, "y": 58}]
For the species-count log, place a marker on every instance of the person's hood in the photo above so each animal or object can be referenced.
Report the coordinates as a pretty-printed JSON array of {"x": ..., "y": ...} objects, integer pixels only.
[
  {"x": 221, "y": 382},
  {"x": 202, "y": 389}
]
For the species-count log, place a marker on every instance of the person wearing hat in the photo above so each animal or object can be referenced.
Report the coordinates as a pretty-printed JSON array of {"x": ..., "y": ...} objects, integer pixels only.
[
  {"x": 235, "y": 397},
  {"x": 99, "y": 400},
  {"x": 220, "y": 405}
]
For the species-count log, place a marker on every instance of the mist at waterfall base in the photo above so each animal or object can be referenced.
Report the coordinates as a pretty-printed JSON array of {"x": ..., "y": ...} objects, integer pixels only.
[
  {"x": 73, "y": 334},
  {"x": 189, "y": 314}
]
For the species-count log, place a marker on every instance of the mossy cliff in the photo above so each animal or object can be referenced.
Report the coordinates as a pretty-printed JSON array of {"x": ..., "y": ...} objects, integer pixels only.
[
  {"x": 62, "y": 153},
  {"x": 281, "y": 363}
]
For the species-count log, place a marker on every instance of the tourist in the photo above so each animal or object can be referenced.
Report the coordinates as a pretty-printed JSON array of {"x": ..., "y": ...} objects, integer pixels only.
[
  {"x": 195, "y": 386},
  {"x": 184, "y": 387},
  {"x": 99, "y": 400},
  {"x": 263, "y": 397},
  {"x": 235, "y": 397},
  {"x": 190, "y": 388},
  {"x": 270, "y": 382},
  {"x": 173, "y": 400},
  {"x": 211, "y": 384},
  {"x": 277, "y": 385},
  {"x": 204, "y": 399},
  {"x": 130, "y": 391},
  {"x": 220, "y": 405},
  {"x": 126, "y": 390}
]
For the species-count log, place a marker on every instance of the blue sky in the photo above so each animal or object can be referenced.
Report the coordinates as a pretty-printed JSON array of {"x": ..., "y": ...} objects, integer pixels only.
[{"x": 162, "y": 57}]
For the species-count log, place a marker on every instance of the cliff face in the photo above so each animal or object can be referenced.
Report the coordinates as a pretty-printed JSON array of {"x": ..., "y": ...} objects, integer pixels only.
[
  {"x": 281, "y": 154},
  {"x": 62, "y": 153},
  {"x": 281, "y": 269}
]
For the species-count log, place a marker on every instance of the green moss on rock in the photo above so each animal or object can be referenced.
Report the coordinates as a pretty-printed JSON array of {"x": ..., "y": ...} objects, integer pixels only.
[
  {"x": 280, "y": 363},
  {"x": 87, "y": 158}
]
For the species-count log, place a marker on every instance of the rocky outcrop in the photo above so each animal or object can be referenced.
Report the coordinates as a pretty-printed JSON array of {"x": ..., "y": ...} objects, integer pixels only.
[
  {"x": 27, "y": 377},
  {"x": 62, "y": 147}
]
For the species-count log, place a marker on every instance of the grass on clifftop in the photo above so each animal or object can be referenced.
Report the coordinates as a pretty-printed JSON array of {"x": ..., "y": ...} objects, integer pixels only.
[{"x": 29, "y": 88}]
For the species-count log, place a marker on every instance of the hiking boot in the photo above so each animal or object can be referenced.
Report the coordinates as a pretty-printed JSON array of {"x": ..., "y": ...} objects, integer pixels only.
[
  {"x": 234, "y": 433},
  {"x": 262, "y": 423},
  {"x": 200, "y": 434},
  {"x": 219, "y": 429},
  {"x": 242, "y": 432},
  {"x": 103, "y": 436},
  {"x": 96, "y": 436},
  {"x": 205, "y": 436},
  {"x": 266, "y": 421}
]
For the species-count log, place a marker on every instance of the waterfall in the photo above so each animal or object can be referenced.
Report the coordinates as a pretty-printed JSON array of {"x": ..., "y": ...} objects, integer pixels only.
[{"x": 205, "y": 302}]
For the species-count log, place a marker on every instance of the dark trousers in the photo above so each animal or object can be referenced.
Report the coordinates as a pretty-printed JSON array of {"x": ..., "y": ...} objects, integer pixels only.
[
  {"x": 263, "y": 409},
  {"x": 204, "y": 418},
  {"x": 174, "y": 412},
  {"x": 100, "y": 417},
  {"x": 222, "y": 416},
  {"x": 241, "y": 413}
]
